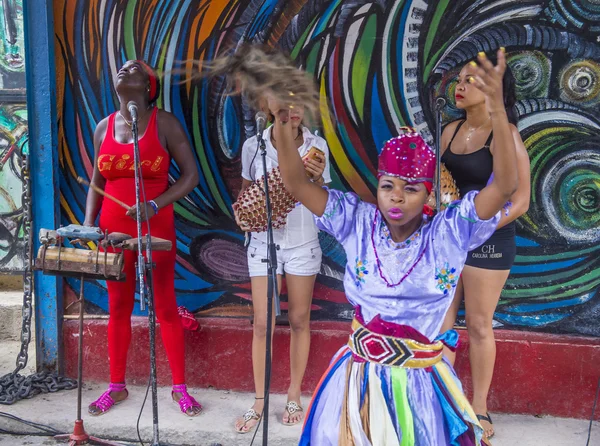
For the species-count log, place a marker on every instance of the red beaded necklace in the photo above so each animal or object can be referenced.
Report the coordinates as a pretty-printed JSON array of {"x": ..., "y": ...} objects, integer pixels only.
[{"x": 390, "y": 285}]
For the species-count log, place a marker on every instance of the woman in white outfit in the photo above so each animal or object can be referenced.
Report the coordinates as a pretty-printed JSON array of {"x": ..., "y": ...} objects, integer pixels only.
[{"x": 298, "y": 255}]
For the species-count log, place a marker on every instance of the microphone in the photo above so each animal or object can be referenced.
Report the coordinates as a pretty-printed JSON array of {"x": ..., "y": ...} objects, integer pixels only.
[
  {"x": 440, "y": 103},
  {"x": 133, "y": 110},
  {"x": 261, "y": 123}
]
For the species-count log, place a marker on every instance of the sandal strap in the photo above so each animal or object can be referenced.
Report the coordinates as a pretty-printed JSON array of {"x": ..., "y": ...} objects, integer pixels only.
[
  {"x": 484, "y": 418},
  {"x": 187, "y": 401},
  {"x": 105, "y": 402},
  {"x": 250, "y": 414},
  {"x": 179, "y": 388},
  {"x": 292, "y": 407},
  {"x": 117, "y": 387}
]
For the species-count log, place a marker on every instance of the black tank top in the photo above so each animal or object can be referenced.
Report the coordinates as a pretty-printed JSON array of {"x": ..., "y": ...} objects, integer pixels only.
[{"x": 471, "y": 171}]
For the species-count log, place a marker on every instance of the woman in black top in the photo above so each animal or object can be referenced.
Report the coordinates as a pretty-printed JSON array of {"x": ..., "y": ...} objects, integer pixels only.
[{"x": 468, "y": 153}]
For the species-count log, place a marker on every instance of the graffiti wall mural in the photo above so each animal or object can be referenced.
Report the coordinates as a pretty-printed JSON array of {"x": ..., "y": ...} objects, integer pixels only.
[
  {"x": 13, "y": 141},
  {"x": 379, "y": 65},
  {"x": 12, "y": 56},
  {"x": 13, "y": 135}
]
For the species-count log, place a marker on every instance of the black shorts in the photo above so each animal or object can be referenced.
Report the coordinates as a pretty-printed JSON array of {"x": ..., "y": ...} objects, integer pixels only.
[{"x": 498, "y": 252}]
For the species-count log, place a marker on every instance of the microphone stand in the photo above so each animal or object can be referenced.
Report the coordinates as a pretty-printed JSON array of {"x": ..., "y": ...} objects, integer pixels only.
[
  {"x": 440, "y": 103},
  {"x": 145, "y": 277},
  {"x": 272, "y": 291}
]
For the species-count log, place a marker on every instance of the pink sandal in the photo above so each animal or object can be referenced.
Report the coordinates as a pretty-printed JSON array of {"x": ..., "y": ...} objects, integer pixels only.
[
  {"x": 187, "y": 401},
  {"x": 105, "y": 402}
]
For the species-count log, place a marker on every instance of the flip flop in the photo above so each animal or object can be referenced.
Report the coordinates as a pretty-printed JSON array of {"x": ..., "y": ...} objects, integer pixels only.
[
  {"x": 250, "y": 415},
  {"x": 292, "y": 407},
  {"x": 487, "y": 418}
]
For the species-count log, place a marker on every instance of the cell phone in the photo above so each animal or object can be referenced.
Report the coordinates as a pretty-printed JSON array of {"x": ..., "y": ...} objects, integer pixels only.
[{"x": 315, "y": 154}]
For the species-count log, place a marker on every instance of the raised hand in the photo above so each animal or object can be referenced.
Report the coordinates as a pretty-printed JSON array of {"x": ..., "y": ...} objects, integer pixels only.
[
  {"x": 280, "y": 109},
  {"x": 488, "y": 79}
]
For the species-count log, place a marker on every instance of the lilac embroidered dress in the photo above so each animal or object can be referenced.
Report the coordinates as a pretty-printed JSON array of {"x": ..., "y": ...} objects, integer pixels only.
[{"x": 413, "y": 404}]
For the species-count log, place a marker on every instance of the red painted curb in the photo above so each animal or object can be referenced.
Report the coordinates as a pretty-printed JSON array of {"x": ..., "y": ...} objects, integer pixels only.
[{"x": 539, "y": 374}]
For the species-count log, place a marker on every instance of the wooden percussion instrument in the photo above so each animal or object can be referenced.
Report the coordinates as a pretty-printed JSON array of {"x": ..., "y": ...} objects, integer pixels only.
[
  {"x": 448, "y": 190},
  {"x": 252, "y": 209},
  {"x": 77, "y": 262},
  {"x": 55, "y": 259}
]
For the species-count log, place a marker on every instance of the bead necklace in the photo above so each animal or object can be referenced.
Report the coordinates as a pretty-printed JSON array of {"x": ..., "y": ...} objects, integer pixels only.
[{"x": 390, "y": 285}]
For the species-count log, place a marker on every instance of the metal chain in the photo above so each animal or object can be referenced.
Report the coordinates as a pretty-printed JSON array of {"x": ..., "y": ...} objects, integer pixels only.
[
  {"x": 14, "y": 386},
  {"x": 27, "y": 311}
]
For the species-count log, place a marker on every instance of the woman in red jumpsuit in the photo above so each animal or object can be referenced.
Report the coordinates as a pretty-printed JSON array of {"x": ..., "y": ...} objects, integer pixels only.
[{"x": 162, "y": 139}]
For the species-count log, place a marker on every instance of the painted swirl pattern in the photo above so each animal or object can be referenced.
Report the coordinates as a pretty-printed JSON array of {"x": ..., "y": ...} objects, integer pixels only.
[{"x": 378, "y": 65}]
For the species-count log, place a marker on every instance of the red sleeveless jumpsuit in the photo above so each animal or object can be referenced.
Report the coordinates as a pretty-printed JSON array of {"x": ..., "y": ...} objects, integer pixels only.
[{"x": 115, "y": 162}]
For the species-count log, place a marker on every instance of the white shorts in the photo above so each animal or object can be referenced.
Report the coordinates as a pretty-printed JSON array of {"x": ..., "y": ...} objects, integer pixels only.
[{"x": 302, "y": 260}]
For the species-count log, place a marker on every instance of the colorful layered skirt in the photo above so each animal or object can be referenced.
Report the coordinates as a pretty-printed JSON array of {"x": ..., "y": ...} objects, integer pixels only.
[{"x": 390, "y": 386}]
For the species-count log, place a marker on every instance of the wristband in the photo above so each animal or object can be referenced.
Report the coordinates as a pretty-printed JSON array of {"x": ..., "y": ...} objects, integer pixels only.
[{"x": 154, "y": 206}]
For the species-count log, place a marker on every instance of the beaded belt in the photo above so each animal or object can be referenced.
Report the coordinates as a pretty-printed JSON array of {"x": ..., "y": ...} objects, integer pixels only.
[{"x": 388, "y": 350}]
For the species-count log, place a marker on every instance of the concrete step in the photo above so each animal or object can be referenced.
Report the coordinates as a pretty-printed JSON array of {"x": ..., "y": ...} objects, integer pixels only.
[
  {"x": 221, "y": 408},
  {"x": 9, "y": 351},
  {"x": 529, "y": 366},
  {"x": 11, "y": 303}
]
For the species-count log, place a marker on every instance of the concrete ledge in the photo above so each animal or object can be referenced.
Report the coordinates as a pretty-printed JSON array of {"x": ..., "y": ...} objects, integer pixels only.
[
  {"x": 11, "y": 282},
  {"x": 9, "y": 351},
  {"x": 536, "y": 374},
  {"x": 11, "y": 303},
  {"x": 215, "y": 425}
]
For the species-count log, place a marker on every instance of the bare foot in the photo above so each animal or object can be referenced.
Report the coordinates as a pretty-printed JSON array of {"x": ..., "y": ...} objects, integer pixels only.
[
  {"x": 250, "y": 419},
  {"x": 117, "y": 397},
  {"x": 191, "y": 411}
]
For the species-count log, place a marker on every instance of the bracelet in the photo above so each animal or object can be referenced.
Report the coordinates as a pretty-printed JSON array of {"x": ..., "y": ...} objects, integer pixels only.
[{"x": 154, "y": 206}]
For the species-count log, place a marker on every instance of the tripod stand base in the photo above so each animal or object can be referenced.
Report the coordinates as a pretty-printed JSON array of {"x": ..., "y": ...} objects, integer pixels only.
[{"x": 80, "y": 436}]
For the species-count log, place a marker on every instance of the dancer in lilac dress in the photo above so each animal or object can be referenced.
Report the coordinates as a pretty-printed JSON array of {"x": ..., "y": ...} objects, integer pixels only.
[{"x": 390, "y": 385}]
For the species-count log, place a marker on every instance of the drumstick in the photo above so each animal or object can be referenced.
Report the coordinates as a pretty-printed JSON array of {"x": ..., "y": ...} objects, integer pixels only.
[{"x": 101, "y": 192}]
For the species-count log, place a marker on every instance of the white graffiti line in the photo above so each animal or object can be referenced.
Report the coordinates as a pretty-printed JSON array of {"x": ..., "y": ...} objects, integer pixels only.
[
  {"x": 330, "y": 272},
  {"x": 475, "y": 8},
  {"x": 101, "y": 14},
  {"x": 521, "y": 13},
  {"x": 347, "y": 59},
  {"x": 112, "y": 50},
  {"x": 410, "y": 62},
  {"x": 555, "y": 116},
  {"x": 120, "y": 32},
  {"x": 386, "y": 63},
  {"x": 324, "y": 47},
  {"x": 310, "y": 35},
  {"x": 170, "y": 59},
  {"x": 324, "y": 52}
]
